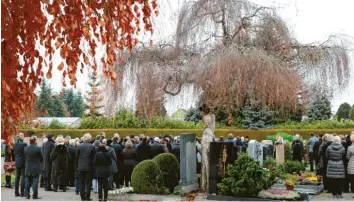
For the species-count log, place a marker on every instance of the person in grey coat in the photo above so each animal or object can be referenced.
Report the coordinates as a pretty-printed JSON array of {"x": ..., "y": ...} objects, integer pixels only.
[
  {"x": 114, "y": 168},
  {"x": 350, "y": 157},
  {"x": 34, "y": 158},
  {"x": 85, "y": 153},
  {"x": 20, "y": 165},
  {"x": 335, "y": 167}
]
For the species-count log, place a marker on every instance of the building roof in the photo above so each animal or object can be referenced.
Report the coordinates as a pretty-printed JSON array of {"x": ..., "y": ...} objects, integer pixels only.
[{"x": 69, "y": 121}]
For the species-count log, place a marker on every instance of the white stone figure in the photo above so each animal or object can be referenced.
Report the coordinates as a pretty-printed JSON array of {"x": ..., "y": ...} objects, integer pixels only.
[{"x": 208, "y": 136}]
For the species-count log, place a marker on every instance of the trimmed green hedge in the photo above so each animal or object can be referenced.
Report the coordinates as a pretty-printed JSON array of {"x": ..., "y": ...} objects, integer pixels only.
[
  {"x": 252, "y": 134},
  {"x": 169, "y": 167},
  {"x": 147, "y": 178}
]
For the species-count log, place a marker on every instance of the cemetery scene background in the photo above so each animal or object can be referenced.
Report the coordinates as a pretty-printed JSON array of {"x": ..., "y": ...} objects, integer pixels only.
[{"x": 224, "y": 69}]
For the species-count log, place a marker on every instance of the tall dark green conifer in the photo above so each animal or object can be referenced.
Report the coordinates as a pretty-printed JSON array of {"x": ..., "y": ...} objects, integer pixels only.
[
  {"x": 343, "y": 111},
  {"x": 78, "y": 105},
  {"x": 45, "y": 102},
  {"x": 58, "y": 107}
]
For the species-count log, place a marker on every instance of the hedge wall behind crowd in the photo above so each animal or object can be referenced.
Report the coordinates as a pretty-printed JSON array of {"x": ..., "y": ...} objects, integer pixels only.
[{"x": 253, "y": 134}]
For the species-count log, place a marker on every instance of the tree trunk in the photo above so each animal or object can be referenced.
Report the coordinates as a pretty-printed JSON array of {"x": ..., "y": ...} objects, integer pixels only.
[{"x": 208, "y": 136}]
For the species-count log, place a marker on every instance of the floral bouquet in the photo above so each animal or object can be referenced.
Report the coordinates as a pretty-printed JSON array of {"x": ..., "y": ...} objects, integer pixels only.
[
  {"x": 278, "y": 194},
  {"x": 121, "y": 191},
  {"x": 289, "y": 184}
]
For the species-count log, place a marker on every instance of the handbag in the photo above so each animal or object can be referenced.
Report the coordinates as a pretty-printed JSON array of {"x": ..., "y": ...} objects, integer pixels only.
[{"x": 9, "y": 166}]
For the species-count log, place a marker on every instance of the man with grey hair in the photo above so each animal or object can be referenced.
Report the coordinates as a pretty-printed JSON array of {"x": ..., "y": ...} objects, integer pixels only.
[
  {"x": 34, "y": 158},
  {"x": 19, "y": 148},
  {"x": 84, "y": 156},
  {"x": 157, "y": 148}
]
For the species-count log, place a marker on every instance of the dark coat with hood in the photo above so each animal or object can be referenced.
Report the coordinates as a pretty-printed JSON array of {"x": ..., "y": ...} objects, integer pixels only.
[
  {"x": 297, "y": 151},
  {"x": 102, "y": 163},
  {"x": 60, "y": 163},
  {"x": 118, "y": 148},
  {"x": 112, "y": 153},
  {"x": 47, "y": 162},
  {"x": 335, "y": 168},
  {"x": 72, "y": 162}
]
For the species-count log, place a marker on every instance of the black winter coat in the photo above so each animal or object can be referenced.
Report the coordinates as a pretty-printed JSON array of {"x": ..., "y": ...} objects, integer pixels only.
[
  {"x": 84, "y": 156},
  {"x": 157, "y": 149},
  {"x": 19, "y": 149},
  {"x": 60, "y": 162},
  {"x": 72, "y": 162},
  {"x": 130, "y": 158},
  {"x": 47, "y": 162},
  {"x": 33, "y": 158},
  {"x": 297, "y": 151},
  {"x": 102, "y": 163},
  {"x": 176, "y": 149},
  {"x": 144, "y": 152},
  {"x": 118, "y": 150}
]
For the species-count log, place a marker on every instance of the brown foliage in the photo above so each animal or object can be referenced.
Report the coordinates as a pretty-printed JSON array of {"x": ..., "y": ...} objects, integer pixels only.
[{"x": 23, "y": 22}]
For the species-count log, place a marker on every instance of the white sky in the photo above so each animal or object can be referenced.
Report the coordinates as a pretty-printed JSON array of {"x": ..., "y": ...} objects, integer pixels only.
[{"x": 310, "y": 21}]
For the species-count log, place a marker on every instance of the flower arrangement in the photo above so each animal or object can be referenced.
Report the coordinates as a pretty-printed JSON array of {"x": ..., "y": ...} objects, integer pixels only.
[
  {"x": 289, "y": 184},
  {"x": 277, "y": 194},
  {"x": 121, "y": 191}
]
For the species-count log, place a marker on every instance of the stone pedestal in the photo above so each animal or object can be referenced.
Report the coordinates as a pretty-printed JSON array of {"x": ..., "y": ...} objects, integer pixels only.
[{"x": 188, "y": 164}]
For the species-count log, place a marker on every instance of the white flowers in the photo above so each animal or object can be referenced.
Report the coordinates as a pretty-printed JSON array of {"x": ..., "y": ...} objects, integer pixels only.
[{"x": 121, "y": 191}]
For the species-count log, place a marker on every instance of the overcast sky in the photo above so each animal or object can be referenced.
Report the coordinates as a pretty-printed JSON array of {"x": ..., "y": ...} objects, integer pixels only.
[{"x": 310, "y": 21}]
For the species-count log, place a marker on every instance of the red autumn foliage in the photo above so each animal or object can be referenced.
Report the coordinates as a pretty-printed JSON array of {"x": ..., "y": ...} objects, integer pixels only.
[{"x": 23, "y": 22}]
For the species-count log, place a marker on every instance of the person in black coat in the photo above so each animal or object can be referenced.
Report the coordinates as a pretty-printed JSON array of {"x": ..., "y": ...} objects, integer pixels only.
[
  {"x": 47, "y": 162},
  {"x": 297, "y": 151},
  {"x": 20, "y": 165},
  {"x": 73, "y": 169},
  {"x": 157, "y": 148},
  {"x": 144, "y": 150},
  {"x": 176, "y": 150},
  {"x": 130, "y": 161},
  {"x": 71, "y": 165},
  {"x": 34, "y": 158},
  {"x": 84, "y": 156},
  {"x": 102, "y": 163},
  {"x": 60, "y": 161},
  {"x": 118, "y": 148}
]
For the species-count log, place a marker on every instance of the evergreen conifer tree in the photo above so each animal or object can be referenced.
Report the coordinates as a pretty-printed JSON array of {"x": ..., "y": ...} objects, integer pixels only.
[
  {"x": 257, "y": 118},
  {"x": 78, "y": 105},
  {"x": 94, "y": 98},
  {"x": 319, "y": 110},
  {"x": 58, "y": 107},
  {"x": 45, "y": 102},
  {"x": 351, "y": 113},
  {"x": 343, "y": 111}
]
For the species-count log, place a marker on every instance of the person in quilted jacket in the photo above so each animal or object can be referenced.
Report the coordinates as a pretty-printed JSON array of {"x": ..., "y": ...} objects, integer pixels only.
[
  {"x": 350, "y": 169},
  {"x": 335, "y": 168}
]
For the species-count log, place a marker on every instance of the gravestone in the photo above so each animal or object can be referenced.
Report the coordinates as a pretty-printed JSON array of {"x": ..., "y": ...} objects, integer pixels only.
[
  {"x": 221, "y": 154},
  {"x": 188, "y": 164},
  {"x": 255, "y": 151}
]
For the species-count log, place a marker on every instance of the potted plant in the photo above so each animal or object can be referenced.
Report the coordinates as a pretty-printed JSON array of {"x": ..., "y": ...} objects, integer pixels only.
[{"x": 289, "y": 184}]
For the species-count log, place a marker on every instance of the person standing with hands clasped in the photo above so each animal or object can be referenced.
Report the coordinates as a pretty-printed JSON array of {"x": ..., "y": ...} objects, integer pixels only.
[{"x": 34, "y": 158}]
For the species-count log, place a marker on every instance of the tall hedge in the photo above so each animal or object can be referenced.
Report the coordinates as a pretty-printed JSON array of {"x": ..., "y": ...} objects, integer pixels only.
[
  {"x": 169, "y": 167},
  {"x": 147, "y": 178},
  {"x": 253, "y": 134}
]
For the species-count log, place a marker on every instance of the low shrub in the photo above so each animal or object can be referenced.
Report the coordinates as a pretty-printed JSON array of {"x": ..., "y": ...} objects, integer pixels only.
[
  {"x": 147, "y": 178},
  {"x": 169, "y": 167},
  {"x": 293, "y": 166},
  {"x": 287, "y": 151},
  {"x": 244, "y": 178},
  {"x": 324, "y": 124}
]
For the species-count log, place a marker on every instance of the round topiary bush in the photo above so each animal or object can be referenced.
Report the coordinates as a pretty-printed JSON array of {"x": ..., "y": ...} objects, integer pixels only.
[
  {"x": 169, "y": 167},
  {"x": 147, "y": 178}
]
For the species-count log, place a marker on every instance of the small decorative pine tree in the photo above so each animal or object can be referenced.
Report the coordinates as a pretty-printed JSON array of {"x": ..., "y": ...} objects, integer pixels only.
[{"x": 94, "y": 97}]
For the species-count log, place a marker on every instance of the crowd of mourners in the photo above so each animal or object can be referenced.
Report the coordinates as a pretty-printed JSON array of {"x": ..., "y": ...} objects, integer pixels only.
[
  {"x": 87, "y": 164},
  {"x": 332, "y": 157},
  {"x": 102, "y": 164}
]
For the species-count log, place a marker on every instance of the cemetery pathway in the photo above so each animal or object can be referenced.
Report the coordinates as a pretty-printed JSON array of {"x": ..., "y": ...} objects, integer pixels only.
[
  {"x": 69, "y": 195},
  {"x": 328, "y": 197}
]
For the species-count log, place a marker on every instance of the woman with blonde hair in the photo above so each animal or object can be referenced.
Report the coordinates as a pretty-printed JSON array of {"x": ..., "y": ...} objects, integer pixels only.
[{"x": 60, "y": 162}]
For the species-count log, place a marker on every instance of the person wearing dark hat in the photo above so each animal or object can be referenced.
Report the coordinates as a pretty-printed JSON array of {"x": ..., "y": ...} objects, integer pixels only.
[
  {"x": 34, "y": 158},
  {"x": 47, "y": 162}
]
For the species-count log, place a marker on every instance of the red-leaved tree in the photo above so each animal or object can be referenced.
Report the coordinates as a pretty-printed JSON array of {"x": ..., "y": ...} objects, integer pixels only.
[{"x": 63, "y": 25}]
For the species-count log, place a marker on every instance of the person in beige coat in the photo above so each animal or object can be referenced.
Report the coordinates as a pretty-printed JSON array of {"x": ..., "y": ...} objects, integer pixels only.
[
  {"x": 350, "y": 157},
  {"x": 279, "y": 150}
]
